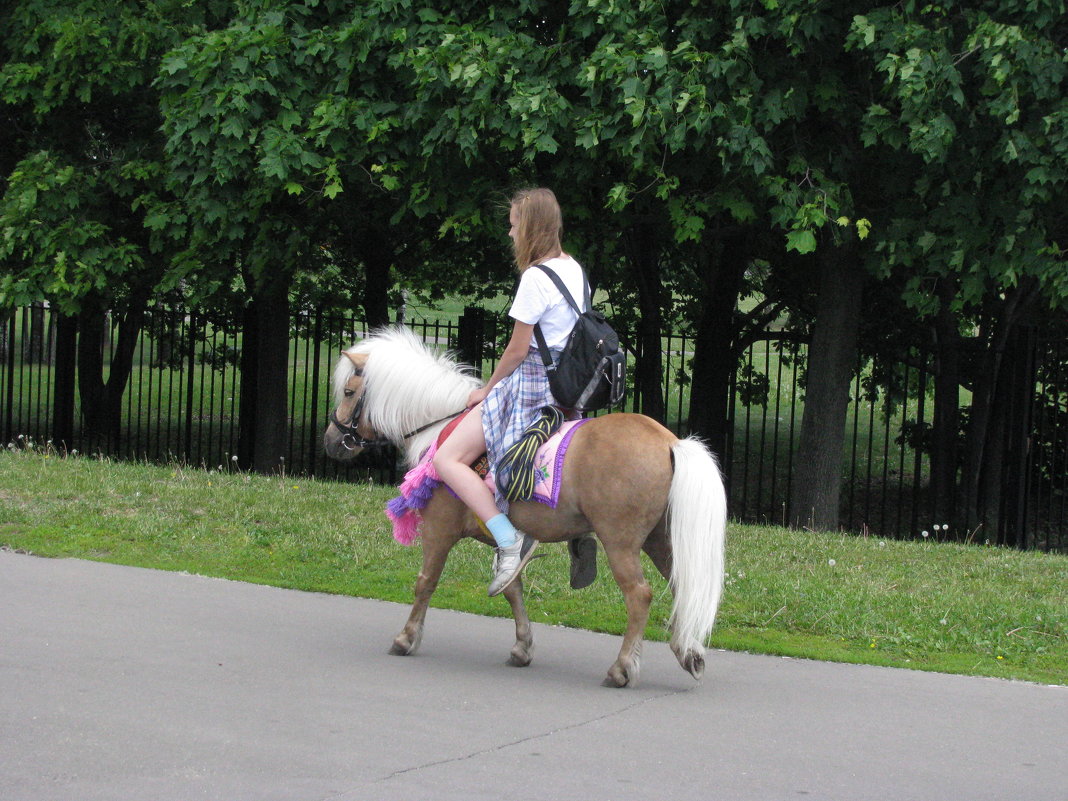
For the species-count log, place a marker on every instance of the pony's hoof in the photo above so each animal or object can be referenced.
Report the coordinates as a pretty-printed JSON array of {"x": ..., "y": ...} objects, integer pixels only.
[
  {"x": 403, "y": 646},
  {"x": 519, "y": 658},
  {"x": 694, "y": 664},
  {"x": 618, "y": 677}
]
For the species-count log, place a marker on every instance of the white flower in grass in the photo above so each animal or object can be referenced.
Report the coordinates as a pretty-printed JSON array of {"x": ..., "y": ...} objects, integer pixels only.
[
  {"x": 831, "y": 562},
  {"x": 924, "y": 533}
]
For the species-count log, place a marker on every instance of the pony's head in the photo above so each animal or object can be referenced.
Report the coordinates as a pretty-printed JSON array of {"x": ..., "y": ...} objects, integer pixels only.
[{"x": 388, "y": 386}]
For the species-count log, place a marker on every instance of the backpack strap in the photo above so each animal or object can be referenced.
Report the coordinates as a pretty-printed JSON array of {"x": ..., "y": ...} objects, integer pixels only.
[
  {"x": 543, "y": 349},
  {"x": 563, "y": 289}
]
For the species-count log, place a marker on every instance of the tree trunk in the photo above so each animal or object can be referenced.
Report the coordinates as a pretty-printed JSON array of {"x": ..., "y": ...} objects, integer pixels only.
[
  {"x": 64, "y": 386},
  {"x": 1017, "y": 401},
  {"x": 264, "y": 414},
  {"x": 714, "y": 358},
  {"x": 648, "y": 372},
  {"x": 5, "y": 333},
  {"x": 35, "y": 345},
  {"x": 377, "y": 259},
  {"x": 945, "y": 436},
  {"x": 978, "y": 453},
  {"x": 832, "y": 359},
  {"x": 249, "y": 362},
  {"x": 102, "y": 401}
]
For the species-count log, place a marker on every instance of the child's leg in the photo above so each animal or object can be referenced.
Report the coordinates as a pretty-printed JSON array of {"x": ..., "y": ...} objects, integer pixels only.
[{"x": 453, "y": 463}]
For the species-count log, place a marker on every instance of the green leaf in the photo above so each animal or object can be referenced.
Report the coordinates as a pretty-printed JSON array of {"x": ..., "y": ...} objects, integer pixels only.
[{"x": 801, "y": 241}]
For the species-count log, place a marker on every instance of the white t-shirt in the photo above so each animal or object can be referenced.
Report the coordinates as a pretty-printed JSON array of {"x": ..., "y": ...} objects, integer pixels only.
[{"x": 539, "y": 301}]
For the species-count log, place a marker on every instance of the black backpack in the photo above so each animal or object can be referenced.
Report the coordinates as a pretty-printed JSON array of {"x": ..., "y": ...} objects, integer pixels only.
[{"x": 592, "y": 370}]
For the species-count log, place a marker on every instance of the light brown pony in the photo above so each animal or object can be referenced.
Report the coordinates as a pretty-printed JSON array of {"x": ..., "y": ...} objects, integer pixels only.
[{"x": 625, "y": 477}]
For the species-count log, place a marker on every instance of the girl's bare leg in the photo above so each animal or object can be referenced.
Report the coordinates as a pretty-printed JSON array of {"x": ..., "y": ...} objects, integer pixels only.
[{"x": 453, "y": 463}]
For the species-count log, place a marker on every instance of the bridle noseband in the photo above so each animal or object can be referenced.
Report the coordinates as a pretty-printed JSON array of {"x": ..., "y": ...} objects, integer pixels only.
[{"x": 351, "y": 439}]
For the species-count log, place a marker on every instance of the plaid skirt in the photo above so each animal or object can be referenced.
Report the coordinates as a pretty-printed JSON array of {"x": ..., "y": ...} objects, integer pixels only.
[{"x": 512, "y": 405}]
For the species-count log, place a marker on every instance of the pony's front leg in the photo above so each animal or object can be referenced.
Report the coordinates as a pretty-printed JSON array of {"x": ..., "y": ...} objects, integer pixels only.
[
  {"x": 435, "y": 552},
  {"x": 523, "y": 650}
]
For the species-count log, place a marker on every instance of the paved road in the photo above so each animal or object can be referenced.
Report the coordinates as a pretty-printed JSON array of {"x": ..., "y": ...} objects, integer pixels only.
[{"x": 122, "y": 683}]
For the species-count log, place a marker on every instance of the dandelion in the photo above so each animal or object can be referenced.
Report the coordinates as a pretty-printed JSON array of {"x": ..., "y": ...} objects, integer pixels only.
[
  {"x": 942, "y": 621},
  {"x": 831, "y": 562},
  {"x": 882, "y": 543},
  {"x": 924, "y": 534},
  {"x": 937, "y": 528},
  {"x": 234, "y": 458}
]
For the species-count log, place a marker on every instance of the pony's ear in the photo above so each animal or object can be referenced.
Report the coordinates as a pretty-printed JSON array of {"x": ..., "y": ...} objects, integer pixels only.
[{"x": 359, "y": 360}]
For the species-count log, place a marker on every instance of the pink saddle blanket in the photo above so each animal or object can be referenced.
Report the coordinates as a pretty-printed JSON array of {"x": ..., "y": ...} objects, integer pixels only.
[
  {"x": 549, "y": 464},
  {"x": 421, "y": 481}
]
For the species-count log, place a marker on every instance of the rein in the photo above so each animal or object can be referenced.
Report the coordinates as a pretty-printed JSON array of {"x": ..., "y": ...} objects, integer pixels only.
[{"x": 350, "y": 437}]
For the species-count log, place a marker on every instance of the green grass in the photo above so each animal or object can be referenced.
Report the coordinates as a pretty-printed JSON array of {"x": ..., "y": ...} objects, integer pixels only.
[{"x": 933, "y": 606}]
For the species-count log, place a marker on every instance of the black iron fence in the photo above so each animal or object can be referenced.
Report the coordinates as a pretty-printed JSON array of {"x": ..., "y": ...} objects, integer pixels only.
[{"x": 183, "y": 398}]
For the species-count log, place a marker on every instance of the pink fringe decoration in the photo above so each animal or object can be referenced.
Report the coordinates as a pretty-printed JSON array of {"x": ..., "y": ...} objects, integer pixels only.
[{"x": 415, "y": 491}]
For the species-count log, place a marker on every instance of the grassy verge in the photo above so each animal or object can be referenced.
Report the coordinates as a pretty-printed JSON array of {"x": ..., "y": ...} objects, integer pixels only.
[{"x": 927, "y": 605}]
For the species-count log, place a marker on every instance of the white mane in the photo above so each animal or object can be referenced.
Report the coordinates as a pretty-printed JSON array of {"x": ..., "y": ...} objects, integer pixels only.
[{"x": 406, "y": 386}]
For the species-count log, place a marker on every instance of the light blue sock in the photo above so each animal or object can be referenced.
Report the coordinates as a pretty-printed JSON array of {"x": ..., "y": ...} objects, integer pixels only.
[{"x": 503, "y": 531}]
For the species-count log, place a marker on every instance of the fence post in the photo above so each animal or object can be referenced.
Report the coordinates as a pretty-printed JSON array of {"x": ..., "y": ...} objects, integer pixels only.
[{"x": 471, "y": 337}]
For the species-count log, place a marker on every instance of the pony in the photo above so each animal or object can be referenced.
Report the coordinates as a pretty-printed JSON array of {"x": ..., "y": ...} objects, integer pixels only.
[{"x": 626, "y": 478}]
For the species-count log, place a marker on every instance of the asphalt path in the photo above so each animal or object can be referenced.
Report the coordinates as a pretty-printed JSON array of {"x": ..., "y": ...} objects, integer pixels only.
[{"x": 124, "y": 683}]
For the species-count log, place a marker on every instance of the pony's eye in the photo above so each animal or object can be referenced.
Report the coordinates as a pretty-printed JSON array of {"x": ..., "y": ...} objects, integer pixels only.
[{"x": 349, "y": 393}]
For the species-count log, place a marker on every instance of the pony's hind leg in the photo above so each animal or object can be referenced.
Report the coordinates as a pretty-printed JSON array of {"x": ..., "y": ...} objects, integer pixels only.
[
  {"x": 435, "y": 552},
  {"x": 658, "y": 547},
  {"x": 523, "y": 650},
  {"x": 637, "y": 595}
]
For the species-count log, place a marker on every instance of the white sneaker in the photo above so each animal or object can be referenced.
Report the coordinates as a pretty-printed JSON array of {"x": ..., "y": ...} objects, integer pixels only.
[{"x": 508, "y": 563}]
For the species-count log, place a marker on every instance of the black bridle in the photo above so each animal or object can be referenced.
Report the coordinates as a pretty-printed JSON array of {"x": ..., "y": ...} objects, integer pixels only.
[{"x": 351, "y": 439}]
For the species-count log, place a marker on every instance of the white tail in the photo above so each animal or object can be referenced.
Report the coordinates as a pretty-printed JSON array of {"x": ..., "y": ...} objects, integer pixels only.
[{"x": 697, "y": 521}]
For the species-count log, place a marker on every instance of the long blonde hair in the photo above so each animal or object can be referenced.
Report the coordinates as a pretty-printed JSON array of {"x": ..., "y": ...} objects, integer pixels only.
[{"x": 540, "y": 225}]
